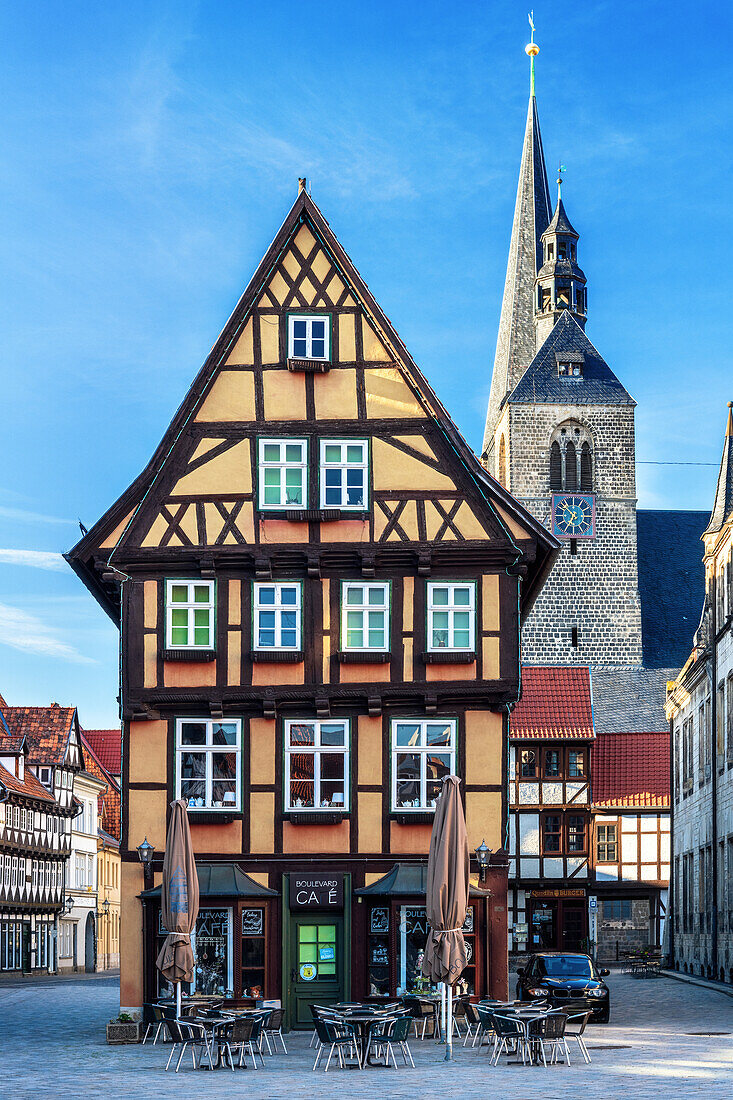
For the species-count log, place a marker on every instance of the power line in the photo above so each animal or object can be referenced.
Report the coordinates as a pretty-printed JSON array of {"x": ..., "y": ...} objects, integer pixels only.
[{"x": 650, "y": 462}]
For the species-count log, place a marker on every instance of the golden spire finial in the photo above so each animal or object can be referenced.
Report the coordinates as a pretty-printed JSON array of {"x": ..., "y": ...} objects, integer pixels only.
[
  {"x": 531, "y": 49},
  {"x": 729, "y": 426}
]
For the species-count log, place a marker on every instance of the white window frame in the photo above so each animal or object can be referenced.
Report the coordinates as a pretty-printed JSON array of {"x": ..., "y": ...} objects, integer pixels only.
[
  {"x": 278, "y": 607},
  {"x": 451, "y": 608},
  {"x": 190, "y": 605},
  {"x": 283, "y": 465},
  {"x": 343, "y": 465},
  {"x": 422, "y": 750},
  {"x": 363, "y": 608},
  {"x": 209, "y": 749},
  {"x": 309, "y": 318},
  {"x": 315, "y": 750}
]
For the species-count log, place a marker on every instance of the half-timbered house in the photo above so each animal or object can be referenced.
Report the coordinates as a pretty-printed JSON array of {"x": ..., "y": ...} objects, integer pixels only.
[{"x": 319, "y": 591}]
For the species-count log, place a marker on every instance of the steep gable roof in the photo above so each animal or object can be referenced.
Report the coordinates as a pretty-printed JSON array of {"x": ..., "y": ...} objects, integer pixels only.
[
  {"x": 630, "y": 770},
  {"x": 556, "y": 702},
  {"x": 630, "y": 699},
  {"x": 107, "y": 747},
  {"x": 47, "y": 730},
  {"x": 109, "y": 800},
  {"x": 399, "y": 380},
  {"x": 28, "y": 785},
  {"x": 540, "y": 383},
  {"x": 723, "y": 505}
]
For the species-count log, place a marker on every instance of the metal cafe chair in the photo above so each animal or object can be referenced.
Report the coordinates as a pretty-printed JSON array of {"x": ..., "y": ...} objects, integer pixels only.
[
  {"x": 576, "y": 1025},
  {"x": 395, "y": 1034},
  {"x": 338, "y": 1037},
  {"x": 508, "y": 1031},
  {"x": 156, "y": 1020},
  {"x": 242, "y": 1035},
  {"x": 185, "y": 1034},
  {"x": 548, "y": 1030},
  {"x": 273, "y": 1029}
]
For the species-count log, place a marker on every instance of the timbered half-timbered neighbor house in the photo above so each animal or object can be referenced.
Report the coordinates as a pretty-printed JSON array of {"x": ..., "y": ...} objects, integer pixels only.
[
  {"x": 319, "y": 591},
  {"x": 34, "y": 847},
  {"x": 550, "y": 735}
]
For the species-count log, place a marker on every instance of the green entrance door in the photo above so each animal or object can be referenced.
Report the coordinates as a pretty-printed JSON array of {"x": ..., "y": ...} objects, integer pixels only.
[{"x": 317, "y": 964}]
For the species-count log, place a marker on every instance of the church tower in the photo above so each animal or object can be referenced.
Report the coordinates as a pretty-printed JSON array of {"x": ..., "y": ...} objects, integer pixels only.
[{"x": 560, "y": 437}]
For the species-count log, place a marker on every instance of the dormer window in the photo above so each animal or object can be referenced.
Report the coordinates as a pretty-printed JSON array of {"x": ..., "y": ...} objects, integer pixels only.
[
  {"x": 309, "y": 336},
  {"x": 550, "y": 250},
  {"x": 562, "y": 250},
  {"x": 569, "y": 370}
]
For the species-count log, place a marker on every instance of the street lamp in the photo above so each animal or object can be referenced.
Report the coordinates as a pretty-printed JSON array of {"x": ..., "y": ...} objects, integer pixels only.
[
  {"x": 483, "y": 855},
  {"x": 145, "y": 852},
  {"x": 104, "y": 907}
]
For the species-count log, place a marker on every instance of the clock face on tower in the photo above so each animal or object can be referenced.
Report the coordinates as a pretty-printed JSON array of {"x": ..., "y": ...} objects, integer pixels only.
[{"x": 573, "y": 515}]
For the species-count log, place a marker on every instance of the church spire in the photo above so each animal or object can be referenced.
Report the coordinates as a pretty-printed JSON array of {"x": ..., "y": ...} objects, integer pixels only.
[
  {"x": 723, "y": 506},
  {"x": 560, "y": 282},
  {"x": 515, "y": 346}
]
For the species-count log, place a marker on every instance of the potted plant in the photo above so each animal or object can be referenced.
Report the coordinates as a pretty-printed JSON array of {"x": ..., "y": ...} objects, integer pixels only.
[{"x": 124, "y": 1029}]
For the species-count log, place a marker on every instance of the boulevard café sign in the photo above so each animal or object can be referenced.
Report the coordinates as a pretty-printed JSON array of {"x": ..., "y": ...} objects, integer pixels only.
[{"x": 314, "y": 891}]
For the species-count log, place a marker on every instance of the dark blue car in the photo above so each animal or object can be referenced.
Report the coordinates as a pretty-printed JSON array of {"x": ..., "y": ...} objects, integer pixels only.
[{"x": 560, "y": 977}]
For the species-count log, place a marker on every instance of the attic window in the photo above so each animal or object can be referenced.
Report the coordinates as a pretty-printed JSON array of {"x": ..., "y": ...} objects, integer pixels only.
[
  {"x": 569, "y": 369},
  {"x": 309, "y": 336}
]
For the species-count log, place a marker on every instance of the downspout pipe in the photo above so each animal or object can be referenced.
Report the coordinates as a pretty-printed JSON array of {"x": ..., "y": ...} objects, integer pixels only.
[{"x": 714, "y": 761}]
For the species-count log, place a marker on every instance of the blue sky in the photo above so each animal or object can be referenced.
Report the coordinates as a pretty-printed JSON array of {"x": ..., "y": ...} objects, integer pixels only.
[{"x": 149, "y": 152}]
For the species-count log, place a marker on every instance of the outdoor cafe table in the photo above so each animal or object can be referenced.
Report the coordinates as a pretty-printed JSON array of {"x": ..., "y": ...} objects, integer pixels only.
[
  {"x": 524, "y": 1017},
  {"x": 213, "y": 1023},
  {"x": 363, "y": 1023}
]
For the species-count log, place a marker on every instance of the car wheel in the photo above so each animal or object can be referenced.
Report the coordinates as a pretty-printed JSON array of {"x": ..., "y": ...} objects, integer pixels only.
[{"x": 604, "y": 1017}]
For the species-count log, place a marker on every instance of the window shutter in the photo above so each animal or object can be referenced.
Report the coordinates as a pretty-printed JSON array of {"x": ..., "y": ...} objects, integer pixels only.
[{"x": 555, "y": 467}]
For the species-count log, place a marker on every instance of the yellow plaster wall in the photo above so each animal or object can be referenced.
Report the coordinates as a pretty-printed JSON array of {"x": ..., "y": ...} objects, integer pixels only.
[
  {"x": 345, "y": 530},
  {"x": 234, "y": 657},
  {"x": 370, "y": 821},
  {"x": 231, "y": 397},
  {"x": 483, "y": 747},
  {"x": 230, "y": 472},
  {"x": 156, "y": 531},
  {"x": 315, "y": 838},
  {"x": 260, "y": 876},
  {"x": 262, "y": 750},
  {"x": 284, "y": 395},
  {"x": 483, "y": 819},
  {"x": 418, "y": 443},
  {"x": 490, "y": 601},
  {"x": 388, "y": 395},
  {"x": 243, "y": 350},
  {"x": 490, "y": 658},
  {"x": 147, "y": 817},
  {"x": 365, "y": 674},
  {"x": 114, "y": 536},
  {"x": 468, "y": 524},
  {"x": 515, "y": 529},
  {"x": 189, "y": 674},
  {"x": 282, "y": 530},
  {"x": 407, "y": 521},
  {"x": 305, "y": 240},
  {"x": 394, "y": 469},
  {"x": 265, "y": 675},
  {"x": 347, "y": 338},
  {"x": 409, "y": 839},
  {"x": 147, "y": 750},
  {"x": 369, "y": 733},
  {"x": 217, "y": 838},
  {"x": 374, "y": 350},
  {"x": 450, "y": 672},
  {"x": 150, "y": 660},
  {"x": 215, "y": 521},
  {"x": 235, "y": 603},
  {"x": 131, "y": 937},
  {"x": 270, "y": 338},
  {"x": 408, "y": 647},
  {"x": 150, "y": 604},
  {"x": 262, "y": 821},
  {"x": 335, "y": 395}
]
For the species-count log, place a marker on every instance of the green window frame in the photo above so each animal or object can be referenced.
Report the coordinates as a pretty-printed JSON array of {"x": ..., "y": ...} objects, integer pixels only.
[
  {"x": 317, "y": 768},
  {"x": 344, "y": 474},
  {"x": 190, "y": 607},
  {"x": 423, "y": 753},
  {"x": 451, "y": 616},
  {"x": 282, "y": 473},
  {"x": 277, "y": 615},
  {"x": 208, "y": 764},
  {"x": 365, "y": 616},
  {"x": 309, "y": 336}
]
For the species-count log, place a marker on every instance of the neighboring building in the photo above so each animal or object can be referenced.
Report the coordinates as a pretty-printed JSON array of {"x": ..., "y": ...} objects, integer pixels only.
[
  {"x": 624, "y": 594},
  {"x": 78, "y": 936},
  {"x": 107, "y": 748},
  {"x": 700, "y": 711},
  {"x": 320, "y": 619},
  {"x": 550, "y": 833},
  {"x": 631, "y": 841},
  {"x": 53, "y": 741},
  {"x": 33, "y": 850},
  {"x": 108, "y": 849}
]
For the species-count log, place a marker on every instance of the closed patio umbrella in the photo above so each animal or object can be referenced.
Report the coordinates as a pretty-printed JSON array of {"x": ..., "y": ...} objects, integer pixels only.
[
  {"x": 446, "y": 896},
  {"x": 179, "y": 901}
]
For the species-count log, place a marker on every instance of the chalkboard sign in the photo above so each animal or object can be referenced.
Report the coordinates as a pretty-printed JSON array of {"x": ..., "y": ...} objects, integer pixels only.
[{"x": 253, "y": 922}]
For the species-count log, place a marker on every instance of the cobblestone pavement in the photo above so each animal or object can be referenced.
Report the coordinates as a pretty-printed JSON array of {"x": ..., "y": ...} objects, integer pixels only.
[{"x": 660, "y": 1043}]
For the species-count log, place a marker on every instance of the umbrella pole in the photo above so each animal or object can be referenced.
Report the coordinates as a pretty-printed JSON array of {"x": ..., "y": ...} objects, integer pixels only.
[
  {"x": 449, "y": 1025},
  {"x": 178, "y": 1000},
  {"x": 442, "y": 1012}
]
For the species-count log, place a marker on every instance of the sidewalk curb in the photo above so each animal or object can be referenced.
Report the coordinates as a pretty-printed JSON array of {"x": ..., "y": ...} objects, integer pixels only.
[{"x": 690, "y": 979}]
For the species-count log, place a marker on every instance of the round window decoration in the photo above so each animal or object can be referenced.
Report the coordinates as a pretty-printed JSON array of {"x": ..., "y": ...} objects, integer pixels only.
[{"x": 308, "y": 972}]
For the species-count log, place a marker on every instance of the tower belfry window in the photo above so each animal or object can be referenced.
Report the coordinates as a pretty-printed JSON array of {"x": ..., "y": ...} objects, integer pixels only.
[{"x": 571, "y": 459}]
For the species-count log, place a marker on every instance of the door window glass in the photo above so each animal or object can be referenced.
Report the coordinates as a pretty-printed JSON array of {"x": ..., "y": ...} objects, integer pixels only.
[{"x": 316, "y": 951}]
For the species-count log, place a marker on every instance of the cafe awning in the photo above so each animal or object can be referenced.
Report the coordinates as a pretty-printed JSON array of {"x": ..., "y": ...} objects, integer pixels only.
[
  {"x": 405, "y": 880},
  {"x": 219, "y": 880}
]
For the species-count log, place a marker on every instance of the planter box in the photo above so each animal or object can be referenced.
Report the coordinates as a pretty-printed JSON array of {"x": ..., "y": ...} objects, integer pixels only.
[{"x": 119, "y": 1033}]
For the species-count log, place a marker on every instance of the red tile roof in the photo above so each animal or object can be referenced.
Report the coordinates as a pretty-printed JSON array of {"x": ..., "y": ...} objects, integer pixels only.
[
  {"x": 28, "y": 785},
  {"x": 630, "y": 770},
  {"x": 556, "y": 703},
  {"x": 107, "y": 746},
  {"x": 46, "y": 729},
  {"x": 109, "y": 801}
]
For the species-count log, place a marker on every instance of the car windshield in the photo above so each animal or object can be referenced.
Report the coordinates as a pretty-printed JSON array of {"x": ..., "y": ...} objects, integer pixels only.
[{"x": 567, "y": 966}]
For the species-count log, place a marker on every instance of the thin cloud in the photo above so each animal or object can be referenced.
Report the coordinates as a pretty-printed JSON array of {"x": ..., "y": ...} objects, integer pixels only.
[
  {"x": 35, "y": 517},
  {"x": 36, "y": 559},
  {"x": 29, "y": 634}
]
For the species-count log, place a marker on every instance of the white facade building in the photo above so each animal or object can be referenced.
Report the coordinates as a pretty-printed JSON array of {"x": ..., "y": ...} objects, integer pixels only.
[{"x": 77, "y": 945}]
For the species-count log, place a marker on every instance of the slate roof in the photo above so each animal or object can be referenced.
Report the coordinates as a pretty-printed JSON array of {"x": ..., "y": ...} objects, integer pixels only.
[
  {"x": 598, "y": 385},
  {"x": 28, "y": 785},
  {"x": 671, "y": 584},
  {"x": 723, "y": 506},
  {"x": 109, "y": 801},
  {"x": 630, "y": 699},
  {"x": 555, "y": 702},
  {"x": 47, "y": 730},
  {"x": 222, "y": 880},
  {"x": 630, "y": 770},
  {"x": 107, "y": 747},
  {"x": 406, "y": 880},
  {"x": 560, "y": 222}
]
